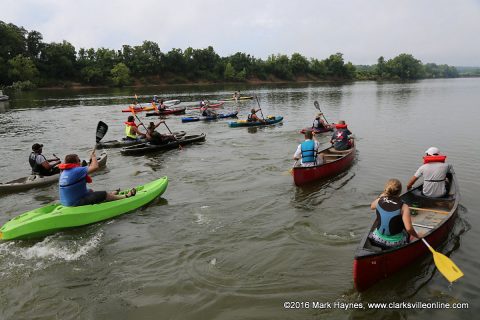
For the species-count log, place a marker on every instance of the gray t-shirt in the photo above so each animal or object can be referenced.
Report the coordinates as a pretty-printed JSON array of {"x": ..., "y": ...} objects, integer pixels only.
[{"x": 434, "y": 175}]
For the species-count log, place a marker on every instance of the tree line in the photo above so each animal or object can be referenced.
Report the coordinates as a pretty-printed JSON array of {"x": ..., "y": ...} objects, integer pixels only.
[{"x": 26, "y": 62}]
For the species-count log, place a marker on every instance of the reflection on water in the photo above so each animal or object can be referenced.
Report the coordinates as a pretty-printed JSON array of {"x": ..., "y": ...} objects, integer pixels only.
[{"x": 232, "y": 237}]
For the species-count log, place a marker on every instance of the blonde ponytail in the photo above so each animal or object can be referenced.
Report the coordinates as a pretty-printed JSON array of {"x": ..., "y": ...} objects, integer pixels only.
[{"x": 393, "y": 187}]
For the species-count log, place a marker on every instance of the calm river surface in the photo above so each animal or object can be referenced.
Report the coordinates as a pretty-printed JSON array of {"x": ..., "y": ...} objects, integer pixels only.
[{"x": 232, "y": 237}]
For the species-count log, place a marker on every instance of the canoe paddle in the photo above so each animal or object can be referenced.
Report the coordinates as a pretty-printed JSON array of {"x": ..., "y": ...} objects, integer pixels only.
[
  {"x": 317, "y": 105},
  {"x": 291, "y": 169},
  {"x": 446, "y": 266},
  {"x": 260, "y": 109}
]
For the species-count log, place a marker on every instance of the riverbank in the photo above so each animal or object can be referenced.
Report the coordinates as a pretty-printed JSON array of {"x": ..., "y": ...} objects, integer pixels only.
[{"x": 157, "y": 82}]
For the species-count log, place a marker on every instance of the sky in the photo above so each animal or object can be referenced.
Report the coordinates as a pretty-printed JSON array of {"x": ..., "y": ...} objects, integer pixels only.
[{"x": 438, "y": 31}]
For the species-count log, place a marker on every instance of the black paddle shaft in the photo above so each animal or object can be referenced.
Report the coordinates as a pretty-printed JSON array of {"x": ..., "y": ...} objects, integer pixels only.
[{"x": 256, "y": 98}]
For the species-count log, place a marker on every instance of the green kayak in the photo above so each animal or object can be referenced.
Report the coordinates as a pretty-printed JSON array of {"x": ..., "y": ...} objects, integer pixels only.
[{"x": 49, "y": 219}]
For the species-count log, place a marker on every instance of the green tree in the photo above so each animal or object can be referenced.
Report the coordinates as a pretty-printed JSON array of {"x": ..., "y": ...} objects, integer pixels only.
[
  {"x": 22, "y": 69},
  {"x": 120, "y": 75},
  {"x": 279, "y": 65},
  {"x": 229, "y": 73},
  {"x": 405, "y": 67},
  {"x": 34, "y": 44},
  {"x": 58, "y": 61},
  {"x": 241, "y": 75},
  {"x": 318, "y": 68},
  {"x": 12, "y": 40},
  {"x": 381, "y": 68},
  {"x": 336, "y": 67},
  {"x": 175, "y": 61},
  {"x": 298, "y": 64}
]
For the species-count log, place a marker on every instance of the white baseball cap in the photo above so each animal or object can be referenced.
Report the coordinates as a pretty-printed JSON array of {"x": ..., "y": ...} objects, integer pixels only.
[{"x": 432, "y": 150}]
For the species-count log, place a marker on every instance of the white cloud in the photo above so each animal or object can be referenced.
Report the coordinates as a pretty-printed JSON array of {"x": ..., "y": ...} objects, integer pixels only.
[{"x": 438, "y": 31}]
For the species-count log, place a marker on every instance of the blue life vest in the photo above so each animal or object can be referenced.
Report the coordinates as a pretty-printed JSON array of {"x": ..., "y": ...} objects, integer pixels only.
[
  {"x": 73, "y": 185},
  {"x": 389, "y": 215},
  {"x": 309, "y": 154}
]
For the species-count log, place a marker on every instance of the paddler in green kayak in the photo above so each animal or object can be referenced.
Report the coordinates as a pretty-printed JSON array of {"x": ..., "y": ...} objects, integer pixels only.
[
  {"x": 73, "y": 184},
  {"x": 131, "y": 129}
]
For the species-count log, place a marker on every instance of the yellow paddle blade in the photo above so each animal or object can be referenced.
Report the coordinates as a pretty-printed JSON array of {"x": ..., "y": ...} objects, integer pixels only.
[
  {"x": 444, "y": 264},
  {"x": 447, "y": 267}
]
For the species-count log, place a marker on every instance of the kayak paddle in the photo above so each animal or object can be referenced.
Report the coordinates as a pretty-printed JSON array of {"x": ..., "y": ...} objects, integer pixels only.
[
  {"x": 102, "y": 129},
  {"x": 446, "y": 266},
  {"x": 260, "y": 108},
  {"x": 317, "y": 105},
  {"x": 132, "y": 110}
]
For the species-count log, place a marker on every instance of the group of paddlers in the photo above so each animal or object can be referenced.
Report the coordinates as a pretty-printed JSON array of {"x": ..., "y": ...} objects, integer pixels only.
[
  {"x": 132, "y": 132},
  {"x": 307, "y": 153},
  {"x": 394, "y": 224}
]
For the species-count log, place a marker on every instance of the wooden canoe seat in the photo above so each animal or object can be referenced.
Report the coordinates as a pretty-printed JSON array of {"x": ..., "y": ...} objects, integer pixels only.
[
  {"x": 333, "y": 150},
  {"x": 333, "y": 155}
]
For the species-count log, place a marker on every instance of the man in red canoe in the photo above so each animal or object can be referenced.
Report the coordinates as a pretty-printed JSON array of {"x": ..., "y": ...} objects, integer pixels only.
[
  {"x": 307, "y": 152},
  {"x": 131, "y": 130},
  {"x": 319, "y": 123},
  {"x": 73, "y": 184},
  {"x": 340, "y": 139},
  {"x": 434, "y": 172}
]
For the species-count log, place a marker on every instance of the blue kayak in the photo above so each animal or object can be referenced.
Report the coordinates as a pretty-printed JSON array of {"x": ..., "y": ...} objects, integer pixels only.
[
  {"x": 244, "y": 123},
  {"x": 210, "y": 118}
]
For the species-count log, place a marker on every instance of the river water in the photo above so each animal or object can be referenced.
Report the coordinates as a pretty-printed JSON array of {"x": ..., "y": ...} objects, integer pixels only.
[{"x": 232, "y": 237}]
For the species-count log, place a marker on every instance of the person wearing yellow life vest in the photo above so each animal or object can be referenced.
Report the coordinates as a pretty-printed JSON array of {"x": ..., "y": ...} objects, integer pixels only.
[
  {"x": 131, "y": 129},
  {"x": 434, "y": 171}
]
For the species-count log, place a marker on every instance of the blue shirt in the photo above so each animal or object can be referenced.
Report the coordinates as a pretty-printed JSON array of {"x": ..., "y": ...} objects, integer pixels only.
[{"x": 73, "y": 185}]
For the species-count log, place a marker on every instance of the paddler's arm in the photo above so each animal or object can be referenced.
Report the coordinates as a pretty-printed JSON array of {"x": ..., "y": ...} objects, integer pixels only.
[
  {"x": 93, "y": 166},
  {"x": 407, "y": 221},
  {"x": 411, "y": 182},
  {"x": 159, "y": 123}
]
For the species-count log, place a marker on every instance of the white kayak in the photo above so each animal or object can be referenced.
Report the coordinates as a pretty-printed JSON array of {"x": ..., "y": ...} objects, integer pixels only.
[{"x": 35, "y": 180}]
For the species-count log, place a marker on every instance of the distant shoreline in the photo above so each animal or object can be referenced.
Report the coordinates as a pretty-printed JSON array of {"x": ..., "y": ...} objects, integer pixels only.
[{"x": 78, "y": 86}]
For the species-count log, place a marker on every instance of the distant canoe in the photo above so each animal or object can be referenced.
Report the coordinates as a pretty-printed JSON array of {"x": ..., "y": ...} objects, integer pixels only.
[
  {"x": 166, "y": 111},
  {"x": 434, "y": 220},
  {"x": 212, "y": 105},
  {"x": 317, "y": 130},
  {"x": 151, "y": 106},
  {"x": 233, "y": 99},
  {"x": 211, "y": 118},
  {"x": 244, "y": 123},
  {"x": 335, "y": 163}
]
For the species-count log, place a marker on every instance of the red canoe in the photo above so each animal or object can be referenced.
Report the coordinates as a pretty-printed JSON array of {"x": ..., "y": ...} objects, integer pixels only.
[
  {"x": 316, "y": 130},
  {"x": 434, "y": 220},
  {"x": 335, "y": 162},
  {"x": 212, "y": 105}
]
